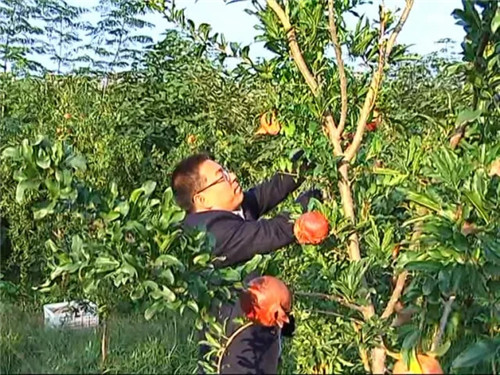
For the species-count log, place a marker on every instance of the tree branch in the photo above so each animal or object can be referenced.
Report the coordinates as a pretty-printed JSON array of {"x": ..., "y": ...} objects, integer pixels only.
[
  {"x": 329, "y": 297},
  {"x": 396, "y": 294},
  {"x": 332, "y": 313},
  {"x": 363, "y": 353},
  {"x": 399, "y": 26},
  {"x": 340, "y": 64},
  {"x": 442, "y": 325},
  {"x": 371, "y": 96},
  {"x": 294, "y": 46}
]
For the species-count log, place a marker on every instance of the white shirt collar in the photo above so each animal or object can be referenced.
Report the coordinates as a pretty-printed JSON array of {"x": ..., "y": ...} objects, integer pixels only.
[{"x": 239, "y": 213}]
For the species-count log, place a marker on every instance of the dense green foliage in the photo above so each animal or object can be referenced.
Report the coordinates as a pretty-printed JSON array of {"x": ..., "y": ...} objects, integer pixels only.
[{"x": 86, "y": 158}]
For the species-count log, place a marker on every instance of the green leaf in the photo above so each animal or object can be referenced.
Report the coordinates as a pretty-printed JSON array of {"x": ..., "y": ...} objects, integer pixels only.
[
  {"x": 105, "y": 264},
  {"x": 77, "y": 162},
  {"x": 477, "y": 202},
  {"x": 137, "y": 293},
  {"x": 152, "y": 310},
  {"x": 49, "y": 244},
  {"x": 43, "y": 209},
  {"x": 11, "y": 152},
  {"x": 467, "y": 116},
  {"x": 423, "y": 200},
  {"x": 168, "y": 195},
  {"x": 149, "y": 187},
  {"x": 151, "y": 285},
  {"x": 193, "y": 306},
  {"x": 441, "y": 350},
  {"x": 429, "y": 266},
  {"x": 168, "y": 276},
  {"x": 165, "y": 293},
  {"x": 53, "y": 187},
  {"x": 177, "y": 217},
  {"x": 110, "y": 216},
  {"x": 76, "y": 244},
  {"x": 230, "y": 274},
  {"x": 168, "y": 260},
  {"x": 411, "y": 340},
  {"x": 114, "y": 190},
  {"x": 481, "y": 351},
  {"x": 43, "y": 162},
  {"x": 123, "y": 208},
  {"x": 23, "y": 186},
  {"x": 201, "y": 259},
  {"x": 27, "y": 151},
  {"x": 495, "y": 22},
  {"x": 134, "y": 196}
]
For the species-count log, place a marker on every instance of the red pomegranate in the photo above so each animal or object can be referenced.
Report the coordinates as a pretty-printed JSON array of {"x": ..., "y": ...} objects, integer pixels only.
[
  {"x": 311, "y": 228},
  {"x": 425, "y": 365},
  {"x": 371, "y": 126},
  {"x": 266, "y": 301}
]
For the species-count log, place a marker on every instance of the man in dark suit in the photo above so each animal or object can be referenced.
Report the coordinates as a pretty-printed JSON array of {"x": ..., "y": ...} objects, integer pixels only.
[{"x": 214, "y": 200}]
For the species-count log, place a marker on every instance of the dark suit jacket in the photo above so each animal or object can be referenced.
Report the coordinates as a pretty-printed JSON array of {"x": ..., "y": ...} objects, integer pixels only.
[{"x": 237, "y": 240}]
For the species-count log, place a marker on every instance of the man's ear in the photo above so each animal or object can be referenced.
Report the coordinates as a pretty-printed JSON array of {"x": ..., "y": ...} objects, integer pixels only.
[{"x": 200, "y": 201}]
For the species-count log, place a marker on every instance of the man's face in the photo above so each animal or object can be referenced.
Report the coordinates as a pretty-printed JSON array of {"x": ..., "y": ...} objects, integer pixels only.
[{"x": 220, "y": 189}]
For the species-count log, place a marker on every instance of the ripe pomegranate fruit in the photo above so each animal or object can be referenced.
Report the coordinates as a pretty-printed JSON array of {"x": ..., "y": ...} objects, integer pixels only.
[
  {"x": 469, "y": 228},
  {"x": 424, "y": 365},
  {"x": 371, "y": 126},
  {"x": 267, "y": 301},
  {"x": 67, "y": 116},
  {"x": 271, "y": 127},
  {"x": 311, "y": 228}
]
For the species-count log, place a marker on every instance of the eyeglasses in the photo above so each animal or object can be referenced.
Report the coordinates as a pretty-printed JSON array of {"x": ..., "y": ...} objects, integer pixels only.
[{"x": 225, "y": 177}]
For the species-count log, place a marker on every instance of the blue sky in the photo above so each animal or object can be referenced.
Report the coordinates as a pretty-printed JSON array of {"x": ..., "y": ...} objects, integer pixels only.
[{"x": 429, "y": 21}]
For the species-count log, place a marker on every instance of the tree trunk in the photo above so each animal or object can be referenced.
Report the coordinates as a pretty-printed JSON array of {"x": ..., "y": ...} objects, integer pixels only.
[{"x": 104, "y": 342}]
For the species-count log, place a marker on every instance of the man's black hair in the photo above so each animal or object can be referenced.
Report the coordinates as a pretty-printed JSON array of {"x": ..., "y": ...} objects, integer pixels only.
[{"x": 186, "y": 180}]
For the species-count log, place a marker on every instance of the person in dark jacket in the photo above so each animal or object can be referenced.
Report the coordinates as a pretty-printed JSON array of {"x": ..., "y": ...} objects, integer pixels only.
[{"x": 215, "y": 201}]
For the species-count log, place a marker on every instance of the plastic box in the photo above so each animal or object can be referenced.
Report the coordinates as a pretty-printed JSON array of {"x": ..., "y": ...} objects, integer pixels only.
[{"x": 72, "y": 314}]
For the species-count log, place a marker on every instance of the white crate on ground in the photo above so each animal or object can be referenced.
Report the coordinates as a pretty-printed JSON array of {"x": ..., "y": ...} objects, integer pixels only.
[{"x": 72, "y": 314}]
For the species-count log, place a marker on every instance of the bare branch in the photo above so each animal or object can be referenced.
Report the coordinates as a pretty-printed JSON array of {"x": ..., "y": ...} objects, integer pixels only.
[
  {"x": 442, "y": 325},
  {"x": 371, "y": 96},
  {"x": 333, "y": 134},
  {"x": 294, "y": 46},
  {"x": 340, "y": 64},
  {"x": 329, "y": 297},
  {"x": 396, "y": 294},
  {"x": 399, "y": 26}
]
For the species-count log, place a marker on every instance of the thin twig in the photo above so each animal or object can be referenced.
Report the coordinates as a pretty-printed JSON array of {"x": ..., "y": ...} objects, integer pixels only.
[
  {"x": 332, "y": 313},
  {"x": 442, "y": 323},
  {"x": 396, "y": 294},
  {"x": 399, "y": 26},
  {"x": 375, "y": 82},
  {"x": 340, "y": 64},
  {"x": 329, "y": 297}
]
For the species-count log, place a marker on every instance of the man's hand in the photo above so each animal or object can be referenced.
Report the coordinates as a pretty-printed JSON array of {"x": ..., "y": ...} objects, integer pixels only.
[
  {"x": 288, "y": 328},
  {"x": 304, "y": 198},
  {"x": 300, "y": 163}
]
